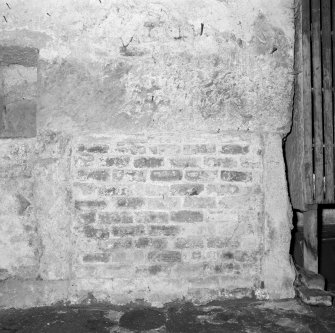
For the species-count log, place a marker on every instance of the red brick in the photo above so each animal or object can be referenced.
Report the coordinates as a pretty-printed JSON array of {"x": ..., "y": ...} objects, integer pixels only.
[
  {"x": 118, "y": 162},
  {"x": 101, "y": 175},
  {"x": 165, "y": 149},
  {"x": 129, "y": 175},
  {"x": 152, "y": 217},
  {"x": 201, "y": 175},
  {"x": 187, "y": 216},
  {"x": 187, "y": 189},
  {"x": 199, "y": 202},
  {"x": 96, "y": 257},
  {"x": 166, "y": 175},
  {"x": 157, "y": 243},
  {"x": 163, "y": 230},
  {"x": 199, "y": 149},
  {"x": 227, "y": 255},
  {"x": 149, "y": 162},
  {"x": 184, "y": 162},
  {"x": 91, "y": 232},
  {"x": 88, "y": 218},
  {"x": 226, "y": 189},
  {"x": 101, "y": 149},
  {"x": 143, "y": 242},
  {"x": 220, "y": 268},
  {"x": 130, "y": 148},
  {"x": 191, "y": 242},
  {"x": 156, "y": 190},
  {"x": 124, "y": 243},
  {"x": 131, "y": 203},
  {"x": 165, "y": 256},
  {"x": 234, "y": 149},
  {"x": 113, "y": 217},
  {"x": 217, "y": 242},
  {"x": 155, "y": 269},
  {"x": 165, "y": 203},
  {"x": 236, "y": 176},
  {"x": 114, "y": 190},
  {"x": 220, "y": 162},
  {"x": 122, "y": 231},
  {"x": 90, "y": 204}
]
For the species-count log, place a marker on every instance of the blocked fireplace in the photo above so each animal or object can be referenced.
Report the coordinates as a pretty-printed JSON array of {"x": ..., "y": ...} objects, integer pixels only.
[{"x": 141, "y": 151}]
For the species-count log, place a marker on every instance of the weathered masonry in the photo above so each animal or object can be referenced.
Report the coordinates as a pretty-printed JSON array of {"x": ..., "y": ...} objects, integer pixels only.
[{"x": 141, "y": 150}]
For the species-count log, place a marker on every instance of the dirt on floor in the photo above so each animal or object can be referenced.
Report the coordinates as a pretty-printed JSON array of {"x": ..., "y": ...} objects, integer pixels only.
[{"x": 247, "y": 316}]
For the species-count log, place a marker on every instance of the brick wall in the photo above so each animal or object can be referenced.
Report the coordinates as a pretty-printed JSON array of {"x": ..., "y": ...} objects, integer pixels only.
[{"x": 162, "y": 209}]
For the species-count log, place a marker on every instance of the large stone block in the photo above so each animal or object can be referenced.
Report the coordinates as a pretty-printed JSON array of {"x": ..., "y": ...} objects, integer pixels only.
[
  {"x": 18, "y": 120},
  {"x": 17, "y": 55},
  {"x": 277, "y": 224}
]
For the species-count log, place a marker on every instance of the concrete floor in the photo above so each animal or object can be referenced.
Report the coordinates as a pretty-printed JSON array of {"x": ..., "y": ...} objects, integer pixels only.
[{"x": 224, "y": 317}]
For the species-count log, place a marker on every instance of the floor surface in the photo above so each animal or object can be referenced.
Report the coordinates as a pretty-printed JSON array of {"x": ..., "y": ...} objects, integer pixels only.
[{"x": 224, "y": 317}]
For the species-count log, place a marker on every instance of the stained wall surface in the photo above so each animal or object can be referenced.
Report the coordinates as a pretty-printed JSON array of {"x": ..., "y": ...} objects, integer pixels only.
[{"x": 152, "y": 166}]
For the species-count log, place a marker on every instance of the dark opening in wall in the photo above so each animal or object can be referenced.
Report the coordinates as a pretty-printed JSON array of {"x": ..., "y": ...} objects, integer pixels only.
[{"x": 18, "y": 90}]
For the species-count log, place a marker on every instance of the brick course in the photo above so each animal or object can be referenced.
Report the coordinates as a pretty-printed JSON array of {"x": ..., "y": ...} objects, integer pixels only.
[
  {"x": 154, "y": 207},
  {"x": 236, "y": 176}
]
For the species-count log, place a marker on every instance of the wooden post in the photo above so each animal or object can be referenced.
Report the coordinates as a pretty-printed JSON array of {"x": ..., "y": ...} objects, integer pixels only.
[
  {"x": 307, "y": 100},
  {"x": 327, "y": 100},
  {"x": 310, "y": 250},
  {"x": 317, "y": 99}
]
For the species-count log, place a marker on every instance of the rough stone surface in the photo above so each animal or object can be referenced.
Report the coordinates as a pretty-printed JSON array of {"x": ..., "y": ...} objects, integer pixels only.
[
  {"x": 18, "y": 236},
  {"x": 278, "y": 223},
  {"x": 53, "y": 206},
  {"x": 146, "y": 61},
  {"x": 157, "y": 171},
  {"x": 314, "y": 296},
  {"x": 309, "y": 279}
]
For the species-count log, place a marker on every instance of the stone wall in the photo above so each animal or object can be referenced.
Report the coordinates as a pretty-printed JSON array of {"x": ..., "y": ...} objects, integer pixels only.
[
  {"x": 17, "y": 224},
  {"x": 157, "y": 170}
]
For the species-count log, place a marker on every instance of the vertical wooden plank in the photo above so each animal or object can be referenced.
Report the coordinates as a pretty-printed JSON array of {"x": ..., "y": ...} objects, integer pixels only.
[
  {"x": 327, "y": 100},
  {"x": 307, "y": 100},
  {"x": 317, "y": 100},
  {"x": 294, "y": 144},
  {"x": 310, "y": 250}
]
